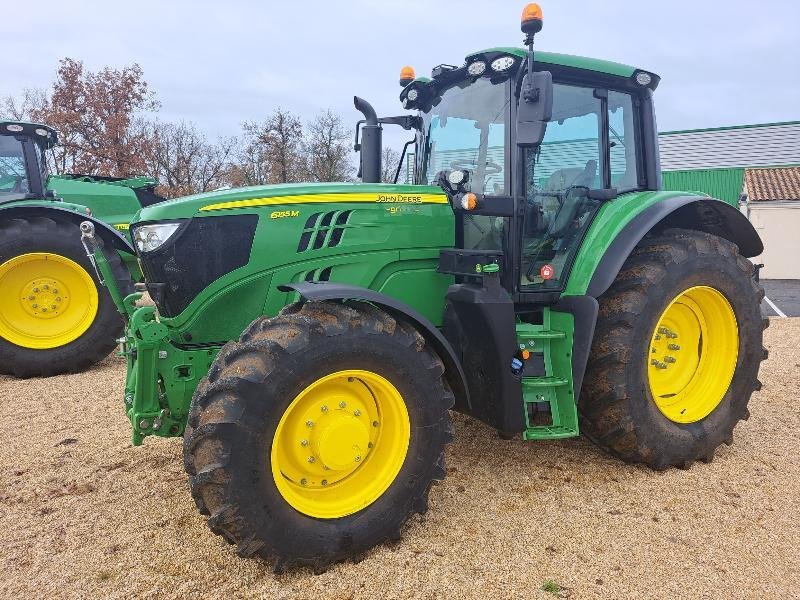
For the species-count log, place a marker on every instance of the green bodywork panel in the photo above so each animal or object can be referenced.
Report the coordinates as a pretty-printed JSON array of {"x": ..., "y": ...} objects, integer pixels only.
[
  {"x": 111, "y": 201},
  {"x": 612, "y": 217}
]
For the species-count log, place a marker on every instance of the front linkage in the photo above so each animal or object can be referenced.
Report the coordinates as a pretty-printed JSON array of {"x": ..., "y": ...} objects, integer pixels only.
[{"x": 160, "y": 376}]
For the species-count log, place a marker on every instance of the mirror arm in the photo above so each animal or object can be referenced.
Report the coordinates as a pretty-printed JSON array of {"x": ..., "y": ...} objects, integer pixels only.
[{"x": 402, "y": 156}]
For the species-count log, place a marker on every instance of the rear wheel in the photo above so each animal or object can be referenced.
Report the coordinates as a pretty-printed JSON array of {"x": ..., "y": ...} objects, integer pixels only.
[
  {"x": 318, "y": 434},
  {"x": 54, "y": 316},
  {"x": 676, "y": 352}
]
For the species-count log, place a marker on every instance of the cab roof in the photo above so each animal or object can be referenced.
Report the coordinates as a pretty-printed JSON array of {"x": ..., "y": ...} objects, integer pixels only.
[{"x": 43, "y": 135}]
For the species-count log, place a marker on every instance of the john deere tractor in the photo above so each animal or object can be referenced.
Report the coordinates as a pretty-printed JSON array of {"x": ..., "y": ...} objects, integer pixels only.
[
  {"x": 55, "y": 317},
  {"x": 308, "y": 341}
]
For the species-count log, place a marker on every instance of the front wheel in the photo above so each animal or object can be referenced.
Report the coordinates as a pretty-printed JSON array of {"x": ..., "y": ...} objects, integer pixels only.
[
  {"x": 318, "y": 434},
  {"x": 676, "y": 352}
]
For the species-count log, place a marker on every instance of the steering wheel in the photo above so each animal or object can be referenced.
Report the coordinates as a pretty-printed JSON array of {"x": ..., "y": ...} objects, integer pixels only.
[{"x": 492, "y": 168}]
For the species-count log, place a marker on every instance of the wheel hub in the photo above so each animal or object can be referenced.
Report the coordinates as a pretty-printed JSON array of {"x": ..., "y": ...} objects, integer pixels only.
[
  {"x": 45, "y": 298},
  {"x": 342, "y": 441}
]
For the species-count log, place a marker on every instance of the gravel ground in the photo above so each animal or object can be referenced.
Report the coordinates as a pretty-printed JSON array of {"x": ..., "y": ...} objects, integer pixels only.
[{"x": 84, "y": 514}]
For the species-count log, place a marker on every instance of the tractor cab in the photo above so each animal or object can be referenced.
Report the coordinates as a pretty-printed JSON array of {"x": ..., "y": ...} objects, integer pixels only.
[
  {"x": 527, "y": 167},
  {"x": 23, "y": 171}
]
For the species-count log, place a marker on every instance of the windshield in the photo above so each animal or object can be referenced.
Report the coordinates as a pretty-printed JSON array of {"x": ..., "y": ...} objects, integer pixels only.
[
  {"x": 467, "y": 130},
  {"x": 13, "y": 176}
]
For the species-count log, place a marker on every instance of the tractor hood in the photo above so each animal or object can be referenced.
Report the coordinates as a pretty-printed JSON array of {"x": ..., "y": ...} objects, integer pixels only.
[{"x": 287, "y": 193}]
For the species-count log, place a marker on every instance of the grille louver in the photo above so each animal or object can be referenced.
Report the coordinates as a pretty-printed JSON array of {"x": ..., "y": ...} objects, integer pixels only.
[{"x": 323, "y": 230}]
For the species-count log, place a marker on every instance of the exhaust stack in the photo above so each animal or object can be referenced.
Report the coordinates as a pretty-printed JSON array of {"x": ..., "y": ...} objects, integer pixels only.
[{"x": 371, "y": 142}]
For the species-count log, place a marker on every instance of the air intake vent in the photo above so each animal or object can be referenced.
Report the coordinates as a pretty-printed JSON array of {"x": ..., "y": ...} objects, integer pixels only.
[
  {"x": 323, "y": 230},
  {"x": 318, "y": 275}
]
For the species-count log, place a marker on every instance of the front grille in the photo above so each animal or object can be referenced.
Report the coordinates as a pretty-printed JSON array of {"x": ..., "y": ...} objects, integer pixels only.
[{"x": 202, "y": 251}]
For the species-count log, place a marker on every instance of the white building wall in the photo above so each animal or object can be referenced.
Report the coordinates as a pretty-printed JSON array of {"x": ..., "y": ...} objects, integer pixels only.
[{"x": 778, "y": 223}]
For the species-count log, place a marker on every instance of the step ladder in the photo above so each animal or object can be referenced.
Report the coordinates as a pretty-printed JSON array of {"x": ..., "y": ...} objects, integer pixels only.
[{"x": 555, "y": 387}]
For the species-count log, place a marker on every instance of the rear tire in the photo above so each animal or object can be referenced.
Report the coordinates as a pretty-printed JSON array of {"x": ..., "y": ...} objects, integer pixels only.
[
  {"x": 617, "y": 407},
  {"x": 239, "y": 410},
  {"x": 47, "y": 237}
]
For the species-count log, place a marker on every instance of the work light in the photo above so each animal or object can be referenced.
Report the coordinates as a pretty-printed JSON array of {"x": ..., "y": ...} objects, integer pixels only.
[
  {"x": 476, "y": 68},
  {"x": 152, "y": 237},
  {"x": 504, "y": 63}
]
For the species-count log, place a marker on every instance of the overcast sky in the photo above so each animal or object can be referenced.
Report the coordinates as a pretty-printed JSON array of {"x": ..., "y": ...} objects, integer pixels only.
[{"x": 220, "y": 63}]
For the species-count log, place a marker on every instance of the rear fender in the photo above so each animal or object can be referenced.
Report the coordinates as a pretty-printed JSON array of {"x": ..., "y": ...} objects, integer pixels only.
[{"x": 700, "y": 213}]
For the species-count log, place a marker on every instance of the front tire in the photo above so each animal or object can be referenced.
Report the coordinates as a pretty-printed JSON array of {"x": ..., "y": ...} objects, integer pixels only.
[
  {"x": 676, "y": 352},
  {"x": 318, "y": 434},
  {"x": 55, "y": 317}
]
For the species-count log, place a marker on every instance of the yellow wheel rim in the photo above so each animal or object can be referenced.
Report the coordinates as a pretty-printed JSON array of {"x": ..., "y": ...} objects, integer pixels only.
[
  {"x": 46, "y": 300},
  {"x": 692, "y": 355},
  {"x": 340, "y": 444}
]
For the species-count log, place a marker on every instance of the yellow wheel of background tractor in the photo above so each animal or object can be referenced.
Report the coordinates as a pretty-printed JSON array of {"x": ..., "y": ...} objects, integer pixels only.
[
  {"x": 48, "y": 300},
  {"x": 54, "y": 316}
]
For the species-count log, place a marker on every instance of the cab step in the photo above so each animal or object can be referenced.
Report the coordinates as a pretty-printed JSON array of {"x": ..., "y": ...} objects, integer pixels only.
[{"x": 550, "y": 408}]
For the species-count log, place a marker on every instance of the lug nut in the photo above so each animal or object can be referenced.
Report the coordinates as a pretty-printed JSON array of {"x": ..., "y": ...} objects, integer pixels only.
[
  {"x": 673, "y": 347},
  {"x": 370, "y": 445},
  {"x": 309, "y": 423},
  {"x": 35, "y": 290},
  {"x": 357, "y": 413},
  {"x": 31, "y": 297},
  {"x": 375, "y": 423},
  {"x": 35, "y": 306},
  {"x": 357, "y": 458},
  {"x": 55, "y": 290},
  {"x": 44, "y": 309},
  {"x": 45, "y": 287},
  {"x": 342, "y": 404},
  {"x": 663, "y": 330},
  {"x": 670, "y": 359},
  {"x": 303, "y": 481},
  {"x": 324, "y": 408},
  {"x": 311, "y": 459},
  {"x": 304, "y": 443},
  {"x": 324, "y": 482}
]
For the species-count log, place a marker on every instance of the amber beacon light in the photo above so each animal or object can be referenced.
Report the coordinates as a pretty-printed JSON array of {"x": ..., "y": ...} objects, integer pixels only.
[
  {"x": 407, "y": 75},
  {"x": 532, "y": 18}
]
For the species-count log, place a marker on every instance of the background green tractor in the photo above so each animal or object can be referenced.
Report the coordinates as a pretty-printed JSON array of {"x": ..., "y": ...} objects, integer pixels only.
[
  {"x": 54, "y": 316},
  {"x": 534, "y": 277}
]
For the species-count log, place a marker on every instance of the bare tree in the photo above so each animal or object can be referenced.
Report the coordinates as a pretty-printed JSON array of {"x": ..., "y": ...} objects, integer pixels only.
[
  {"x": 389, "y": 160},
  {"x": 273, "y": 150},
  {"x": 183, "y": 160},
  {"x": 327, "y": 149}
]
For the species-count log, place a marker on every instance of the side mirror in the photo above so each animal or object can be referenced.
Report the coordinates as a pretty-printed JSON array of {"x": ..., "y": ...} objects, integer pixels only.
[{"x": 535, "y": 108}]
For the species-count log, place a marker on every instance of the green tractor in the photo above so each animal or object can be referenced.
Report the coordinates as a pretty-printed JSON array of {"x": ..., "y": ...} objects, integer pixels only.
[
  {"x": 55, "y": 317},
  {"x": 308, "y": 341}
]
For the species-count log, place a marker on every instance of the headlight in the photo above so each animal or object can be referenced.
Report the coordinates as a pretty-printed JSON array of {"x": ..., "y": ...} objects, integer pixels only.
[
  {"x": 504, "y": 63},
  {"x": 476, "y": 68},
  {"x": 412, "y": 95},
  {"x": 151, "y": 237},
  {"x": 643, "y": 78}
]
